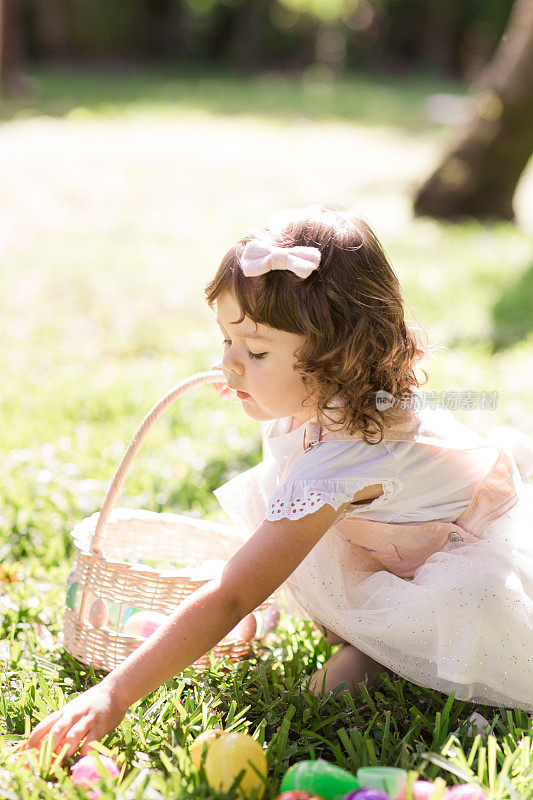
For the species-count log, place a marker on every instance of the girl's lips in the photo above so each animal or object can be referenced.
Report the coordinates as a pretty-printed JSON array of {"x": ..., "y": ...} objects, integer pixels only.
[{"x": 242, "y": 395}]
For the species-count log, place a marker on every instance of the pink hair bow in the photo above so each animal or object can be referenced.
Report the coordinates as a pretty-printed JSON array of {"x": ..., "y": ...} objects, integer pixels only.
[{"x": 259, "y": 257}]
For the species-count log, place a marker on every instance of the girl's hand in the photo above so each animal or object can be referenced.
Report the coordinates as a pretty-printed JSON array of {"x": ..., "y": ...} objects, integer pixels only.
[
  {"x": 224, "y": 391},
  {"x": 91, "y": 715}
]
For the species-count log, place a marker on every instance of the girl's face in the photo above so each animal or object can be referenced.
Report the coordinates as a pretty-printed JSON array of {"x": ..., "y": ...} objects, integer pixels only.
[{"x": 259, "y": 362}]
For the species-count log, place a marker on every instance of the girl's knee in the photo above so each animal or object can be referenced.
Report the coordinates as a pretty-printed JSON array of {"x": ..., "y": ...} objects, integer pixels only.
[
  {"x": 347, "y": 668},
  {"x": 330, "y": 636}
]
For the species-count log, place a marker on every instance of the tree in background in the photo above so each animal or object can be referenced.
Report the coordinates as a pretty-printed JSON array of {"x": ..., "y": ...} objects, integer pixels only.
[
  {"x": 11, "y": 81},
  {"x": 478, "y": 175},
  {"x": 453, "y": 37}
]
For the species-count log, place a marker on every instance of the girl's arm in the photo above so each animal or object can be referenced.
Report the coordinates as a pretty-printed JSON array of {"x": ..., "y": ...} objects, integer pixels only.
[
  {"x": 200, "y": 622},
  {"x": 205, "y": 617}
]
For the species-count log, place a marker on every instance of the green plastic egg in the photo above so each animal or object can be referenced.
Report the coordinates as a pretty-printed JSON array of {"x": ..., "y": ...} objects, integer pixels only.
[
  {"x": 391, "y": 780},
  {"x": 72, "y": 592},
  {"x": 114, "y": 611},
  {"x": 321, "y": 778},
  {"x": 127, "y": 612}
]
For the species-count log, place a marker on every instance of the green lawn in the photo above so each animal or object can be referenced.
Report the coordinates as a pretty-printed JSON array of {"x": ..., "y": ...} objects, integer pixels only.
[{"x": 120, "y": 193}]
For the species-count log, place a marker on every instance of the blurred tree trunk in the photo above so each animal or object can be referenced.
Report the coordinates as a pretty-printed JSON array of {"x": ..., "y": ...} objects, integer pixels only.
[
  {"x": 11, "y": 80},
  {"x": 478, "y": 176},
  {"x": 248, "y": 46},
  {"x": 156, "y": 28}
]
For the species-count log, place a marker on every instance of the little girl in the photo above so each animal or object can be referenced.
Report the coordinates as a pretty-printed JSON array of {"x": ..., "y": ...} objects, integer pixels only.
[{"x": 403, "y": 534}]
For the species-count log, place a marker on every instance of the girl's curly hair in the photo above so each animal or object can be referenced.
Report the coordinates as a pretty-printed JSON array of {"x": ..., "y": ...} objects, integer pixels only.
[{"x": 350, "y": 310}]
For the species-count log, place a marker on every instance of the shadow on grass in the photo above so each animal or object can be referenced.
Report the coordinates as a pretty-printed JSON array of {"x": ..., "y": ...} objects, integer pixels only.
[{"x": 168, "y": 89}]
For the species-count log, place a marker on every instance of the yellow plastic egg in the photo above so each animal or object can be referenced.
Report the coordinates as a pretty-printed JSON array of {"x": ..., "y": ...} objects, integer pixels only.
[
  {"x": 204, "y": 739},
  {"x": 228, "y": 756}
]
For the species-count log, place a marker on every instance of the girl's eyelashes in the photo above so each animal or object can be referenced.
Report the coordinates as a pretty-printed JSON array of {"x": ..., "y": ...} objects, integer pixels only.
[{"x": 252, "y": 355}]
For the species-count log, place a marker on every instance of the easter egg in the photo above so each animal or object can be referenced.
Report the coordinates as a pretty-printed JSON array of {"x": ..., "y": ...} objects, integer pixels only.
[
  {"x": 296, "y": 795},
  {"x": 72, "y": 595},
  {"x": 242, "y": 632},
  {"x": 390, "y": 780},
  {"x": 465, "y": 791},
  {"x": 319, "y": 778},
  {"x": 246, "y": 628},
  {"x": 114, "y": 613},
  {"x": 71, "y": 576},
  {"x": 267, "y": 620},
  {"x": 10, "y": 574},
  {"x": 84, "y": 772},
  {"x": 204, "y": 740},
  {"x": 422, "y": 790},
  {"x": 127, "y": 612},
  {"x": 366, "y": 794},
  {"x": 230, "y": 754},
  {"x": 99, "y": 613},
  {"x": 144, "y": 623}
]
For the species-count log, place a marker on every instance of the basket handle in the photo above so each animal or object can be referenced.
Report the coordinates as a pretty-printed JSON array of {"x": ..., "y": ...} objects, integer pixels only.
[{"x": 199, "y": 378}]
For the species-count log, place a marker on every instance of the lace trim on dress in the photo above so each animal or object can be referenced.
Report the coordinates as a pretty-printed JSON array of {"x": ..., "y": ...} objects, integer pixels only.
[{"x": 300, "y": 498}]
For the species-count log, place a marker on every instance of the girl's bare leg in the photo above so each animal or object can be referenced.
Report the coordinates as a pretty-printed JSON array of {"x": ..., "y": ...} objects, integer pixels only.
[{"x": 347, "y": 665}]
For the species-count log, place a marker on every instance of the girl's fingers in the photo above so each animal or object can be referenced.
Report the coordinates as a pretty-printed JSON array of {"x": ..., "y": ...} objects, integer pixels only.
[
  {"x": 91, "y": 737},
  {"x": 76, "y": 734},
  {"x": 41, "y": 730},
  {"x": 221, "y": 387},
  {"x": 59, "y": 732},
  {"x": 92, "y": 712},
  {"x": 61, "y": 728},
  {"x": 223, "y": 390}
]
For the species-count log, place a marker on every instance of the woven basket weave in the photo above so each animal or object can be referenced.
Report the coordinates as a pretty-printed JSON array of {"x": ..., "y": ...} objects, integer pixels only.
[{"x": 104, "y": 540}]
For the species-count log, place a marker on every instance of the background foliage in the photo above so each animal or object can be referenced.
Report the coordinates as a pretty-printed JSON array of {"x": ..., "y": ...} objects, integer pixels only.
[{"x": 454, "y": 38}]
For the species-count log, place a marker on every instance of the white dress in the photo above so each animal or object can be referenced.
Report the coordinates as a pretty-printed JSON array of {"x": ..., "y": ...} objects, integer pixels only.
[{"x": 464, "y": 620}]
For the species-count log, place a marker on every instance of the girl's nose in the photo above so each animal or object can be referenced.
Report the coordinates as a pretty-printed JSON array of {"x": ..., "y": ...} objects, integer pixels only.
[{"x": 231, "y": 363}]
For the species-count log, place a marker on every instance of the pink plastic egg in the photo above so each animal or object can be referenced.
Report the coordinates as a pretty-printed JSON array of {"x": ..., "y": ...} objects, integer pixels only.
[
  {"x": 422, "y": 790},
  {"x": 242, "y": 632},
  {"x": 465, "y": 791},
  {"x": 269, "y": 620},
  {"x": 84, "y": 772},
  {"x": 99, "y": 613},
  {"x": 246, "y": 628},
  {"x": 144, "y": 623}
]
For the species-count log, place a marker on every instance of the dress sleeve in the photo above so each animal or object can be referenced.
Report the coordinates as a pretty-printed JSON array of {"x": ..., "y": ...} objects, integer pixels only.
[{"x": 331, "y": 474}]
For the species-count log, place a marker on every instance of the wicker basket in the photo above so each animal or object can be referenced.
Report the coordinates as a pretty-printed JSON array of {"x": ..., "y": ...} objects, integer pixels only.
[{"x": 102, "y": 576}]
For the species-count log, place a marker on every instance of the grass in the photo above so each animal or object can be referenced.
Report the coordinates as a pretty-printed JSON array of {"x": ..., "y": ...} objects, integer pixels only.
[
  {"x": 120, "y": 196},
  {"x": 116, "y": 91}
]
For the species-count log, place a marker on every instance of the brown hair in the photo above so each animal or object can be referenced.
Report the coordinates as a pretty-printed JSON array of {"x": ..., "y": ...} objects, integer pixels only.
[{"x": 350, "y": 310}]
